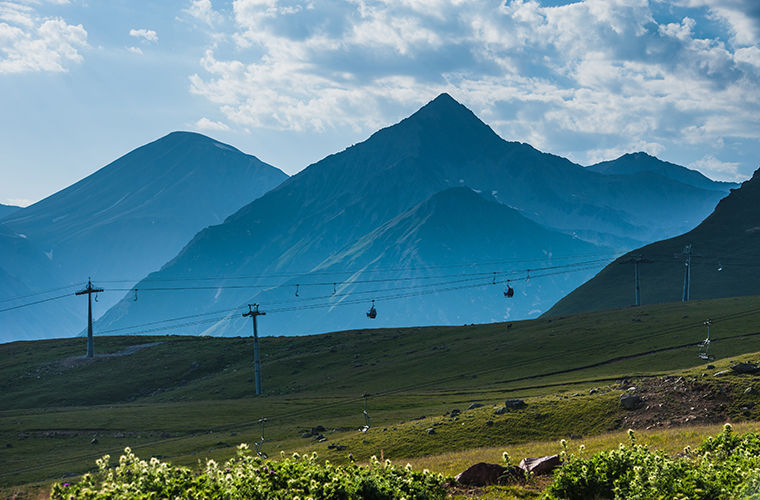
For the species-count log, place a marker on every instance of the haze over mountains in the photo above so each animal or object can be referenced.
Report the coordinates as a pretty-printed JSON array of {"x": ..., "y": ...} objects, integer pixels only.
[
  {"x": 124, "y": 221},
  {"x": 724, "y": 262},
  {"x": 375, "y": 209}
]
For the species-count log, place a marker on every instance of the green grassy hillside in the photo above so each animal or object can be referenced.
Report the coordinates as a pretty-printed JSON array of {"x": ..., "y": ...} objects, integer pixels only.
[{"x": 184, "y": 398}]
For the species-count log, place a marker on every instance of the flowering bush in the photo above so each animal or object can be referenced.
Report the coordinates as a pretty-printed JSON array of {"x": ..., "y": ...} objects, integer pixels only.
[
  {"x": 726, "y": 466},
  {"x": 248, "y": 476}
]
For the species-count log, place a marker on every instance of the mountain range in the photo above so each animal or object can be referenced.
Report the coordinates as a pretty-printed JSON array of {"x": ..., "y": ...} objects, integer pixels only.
[
  {"x": 376, "y": 209},
  {"x": 723, "y": 264},
  {"x": 125, "y": 220}
]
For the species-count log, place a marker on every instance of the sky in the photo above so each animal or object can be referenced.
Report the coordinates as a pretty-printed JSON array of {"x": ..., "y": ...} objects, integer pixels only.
[{"x": 83, "y": 82}]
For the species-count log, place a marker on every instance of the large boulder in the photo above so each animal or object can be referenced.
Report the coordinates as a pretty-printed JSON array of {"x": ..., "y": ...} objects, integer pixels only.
[
  {"x": 483, "y": 474},
  {"x": 540, "y": 465},
  {"x": 745, "y": 368},
  {"x": 514, "y": 404},
  {"x": 631, "y": 401}
]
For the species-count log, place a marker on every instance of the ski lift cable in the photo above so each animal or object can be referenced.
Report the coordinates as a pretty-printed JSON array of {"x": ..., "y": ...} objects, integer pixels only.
[
  {"x": 311, "y": 306},
  {"x": 605, "y": 256},
  {"x": 381, "y": 280}
]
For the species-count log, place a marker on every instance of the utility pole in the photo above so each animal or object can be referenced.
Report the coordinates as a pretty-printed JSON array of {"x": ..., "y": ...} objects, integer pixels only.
[
  {"x": 636, "y": 259},
  {"x": 253, "y": 313},
  {"x": 686, "y": 254},
  {"x": 89, "y": 291}
]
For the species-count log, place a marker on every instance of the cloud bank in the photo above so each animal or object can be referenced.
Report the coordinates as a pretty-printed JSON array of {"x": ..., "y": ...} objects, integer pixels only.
[
  {"x": 30, "y": 42},
  {"x": 588, "y": 79}
]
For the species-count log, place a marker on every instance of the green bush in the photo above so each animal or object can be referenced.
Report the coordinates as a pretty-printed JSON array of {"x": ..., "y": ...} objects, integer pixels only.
[
  {"x": 726, "y": 466},
  {"x": 249, "y": 477}
]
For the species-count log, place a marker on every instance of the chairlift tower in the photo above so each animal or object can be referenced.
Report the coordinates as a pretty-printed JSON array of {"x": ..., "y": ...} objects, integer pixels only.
[
  {"x": 254, "y": 313},
  {"x": 636, "y": 259},
  {"x": 89, "y": 291},
  {"x": 686, "y": 254}
]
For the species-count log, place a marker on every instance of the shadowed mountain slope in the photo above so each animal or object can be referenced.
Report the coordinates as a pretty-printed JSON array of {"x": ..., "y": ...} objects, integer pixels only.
[{"x": 724, "y": 264}]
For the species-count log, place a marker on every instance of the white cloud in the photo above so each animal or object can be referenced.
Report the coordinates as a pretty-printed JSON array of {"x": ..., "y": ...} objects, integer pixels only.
[
  {"x": 145, "y": 34},
  {"x": 31, "y": 43},
  {"x": 588, "y": 79},
  {"x": 206, "y": 124},
  {"x": 718, "y": 170},
  {"x": 204, "y": 11},
  {"x": 135, "y": 50}
]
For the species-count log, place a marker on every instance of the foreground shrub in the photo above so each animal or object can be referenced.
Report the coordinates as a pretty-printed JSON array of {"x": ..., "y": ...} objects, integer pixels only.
[
  {"x": 249, "y": 477},
  {"x": 726, "y": 466}
]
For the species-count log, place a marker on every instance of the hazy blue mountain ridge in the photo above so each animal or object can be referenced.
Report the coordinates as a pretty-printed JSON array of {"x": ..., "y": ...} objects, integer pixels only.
[
  {"x": 331, "y": 205},
  {"x": 633, "y": 163},
  {"x": 131, "y": 216}
]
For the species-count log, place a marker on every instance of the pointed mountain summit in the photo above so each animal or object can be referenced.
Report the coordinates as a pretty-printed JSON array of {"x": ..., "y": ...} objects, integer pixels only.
[
  {"x": 330, "y": 206},
  {"x": 131, "y": 216},
  {"x": 635, "y": 163},
  {"x": 724, "y": 262}
]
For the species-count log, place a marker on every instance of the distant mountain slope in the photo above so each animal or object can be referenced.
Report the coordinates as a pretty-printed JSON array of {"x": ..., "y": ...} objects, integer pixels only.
[
  {"x": 6, "y": 210},
  {"x": 133, "y": 215},
  {"x": 725, "y": 263},
  {"x": 23, "y": 265},
  {"x": 331, "y": 205},
  {"x": 455, "y": 237},
  {"x": 634, "y": 163}
]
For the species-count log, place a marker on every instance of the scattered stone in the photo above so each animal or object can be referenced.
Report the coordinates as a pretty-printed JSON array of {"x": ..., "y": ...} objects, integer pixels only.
[
  {"x": 632, "y": 388},
  {"x": 430, "y": 430},
  {"x": 165, "y": 435},
  {"x": 501, "y": 411},
  {"x": 575, "y": 436},
  {"x": 306, "y": 435},
  {"x": 748, "y": 390},
  {"x": 744, "y": 368},
  {"x": 454, "y": 413},
  {"x": 318, "y": 429},
  {"x": 94, "y": 441},
  {"x": 321, "y": 439},
  {"x": 474, "y": 405},
  {"x": 722, "y": 373},
  {"x": 540, "y": 465},
  {"x": 119, "y": 435},
  {"x": 8, "y": 445},
  {"x": 710, "y": 367},
  {"x": 593, "y": 391},
  {"x": 515, "y": 404},
  {"x": 489, "y": 423},
  {"x": 631, "y": 401}
]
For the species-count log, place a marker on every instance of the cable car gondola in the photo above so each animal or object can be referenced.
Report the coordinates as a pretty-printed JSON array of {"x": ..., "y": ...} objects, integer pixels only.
[
  {"x": 509, "y": 292},
  {"x": 372, "y": 314}
]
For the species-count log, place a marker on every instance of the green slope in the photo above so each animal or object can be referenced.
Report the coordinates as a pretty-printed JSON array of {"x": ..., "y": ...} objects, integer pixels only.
[{"x": 184, "y": 398}]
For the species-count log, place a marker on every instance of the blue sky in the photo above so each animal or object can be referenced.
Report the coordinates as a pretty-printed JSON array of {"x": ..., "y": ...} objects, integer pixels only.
[{"x": 83, "y": 82}]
